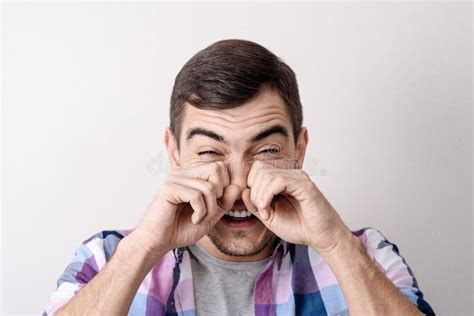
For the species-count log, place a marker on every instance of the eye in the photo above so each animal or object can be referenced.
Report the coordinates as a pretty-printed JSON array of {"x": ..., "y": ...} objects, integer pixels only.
[
  {"x": 271, "y": 151},
  {"x": 207, "y": 152}
]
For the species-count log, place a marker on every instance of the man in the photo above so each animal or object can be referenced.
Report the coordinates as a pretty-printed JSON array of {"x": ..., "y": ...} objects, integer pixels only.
[{"x": 238, "y": 228}]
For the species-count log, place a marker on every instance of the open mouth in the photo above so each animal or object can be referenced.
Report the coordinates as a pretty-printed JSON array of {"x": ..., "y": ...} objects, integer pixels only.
[{"x": 238, "y": 215}]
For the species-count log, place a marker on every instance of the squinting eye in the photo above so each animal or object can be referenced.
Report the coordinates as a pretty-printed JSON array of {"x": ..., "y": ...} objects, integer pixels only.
[
  {"x": 207, "y": 152},
  {"x": 270, "y": 151}
]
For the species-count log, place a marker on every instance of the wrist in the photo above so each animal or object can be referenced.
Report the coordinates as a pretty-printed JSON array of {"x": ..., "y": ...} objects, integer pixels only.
[
  {"x": 131, "y": 251},
  {"x": 345, "y": 246}
]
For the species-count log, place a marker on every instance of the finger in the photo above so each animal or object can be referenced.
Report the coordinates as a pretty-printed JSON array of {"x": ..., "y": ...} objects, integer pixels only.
[
  {"x": 248, "y": 201},
  {"x": 183, "y": 194},
  {"x": 211, "y": 203},
  {"x": 199, "y": 207},
  {"x": 261, "y": 177},
  {"x": 262, "y": 185},
  {"x": 229, "y": 197},
  {"x": 221, "y": 178},
  {"x": 262, "y": 214},
  {"x": 225, "y": 174},
  {"x": 212, "y": 172},
  {"x": 224, "y": 204},
  {"x": 264, "y": 177},
  {"x": 216, "y": 177},
  {"x": 272, "y": 189},
  {"x": 206, "y": 189},
  {"x": 275, "y": 183},
  {"x": 294, "y": 178},
  {"x": 257, "y": 166},
  {"x": 254, "y": 171},
  {"x": 297, "y": 182}
]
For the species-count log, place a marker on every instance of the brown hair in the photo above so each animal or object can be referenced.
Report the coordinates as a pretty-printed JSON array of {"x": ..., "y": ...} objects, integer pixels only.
[{"x": 229, "y": 73}]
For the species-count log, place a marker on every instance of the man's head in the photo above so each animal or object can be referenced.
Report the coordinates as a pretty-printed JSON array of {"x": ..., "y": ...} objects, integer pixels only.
[{"x": 237, "y": 102}]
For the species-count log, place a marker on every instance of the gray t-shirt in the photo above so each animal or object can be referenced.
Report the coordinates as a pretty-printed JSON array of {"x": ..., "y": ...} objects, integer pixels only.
[{"x": 223, "y": 287}]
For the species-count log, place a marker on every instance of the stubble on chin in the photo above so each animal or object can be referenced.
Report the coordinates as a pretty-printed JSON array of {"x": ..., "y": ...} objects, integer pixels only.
[{"x": 240, "y": 244}]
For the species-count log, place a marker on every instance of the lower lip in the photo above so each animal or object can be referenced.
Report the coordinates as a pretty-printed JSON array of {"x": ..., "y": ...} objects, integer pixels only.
[{"x": 239, "y": 223}]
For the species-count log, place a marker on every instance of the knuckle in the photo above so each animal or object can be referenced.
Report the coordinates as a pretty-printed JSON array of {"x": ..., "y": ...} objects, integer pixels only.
[
  {"x": 304, "y": 174},
  {"x": 279, "y": 179},
  {"x": 267, "y": 176},
  {"x": 311, "y": 184},
  {"x": 195, "y": 195}
]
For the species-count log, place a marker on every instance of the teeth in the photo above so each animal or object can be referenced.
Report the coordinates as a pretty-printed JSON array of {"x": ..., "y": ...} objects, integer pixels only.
[{"x": 239, "y": 214}]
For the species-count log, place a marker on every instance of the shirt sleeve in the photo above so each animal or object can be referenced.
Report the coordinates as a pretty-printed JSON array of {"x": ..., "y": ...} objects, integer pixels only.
[
  {"x": 89, "y": 259},
  {"x": 387, "y": 257}
]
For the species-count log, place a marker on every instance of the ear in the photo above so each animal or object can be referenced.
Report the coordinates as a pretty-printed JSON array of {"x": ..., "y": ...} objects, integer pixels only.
[
  {"x": 172, "y": 148},
  {"x": 301, "y": 144}
]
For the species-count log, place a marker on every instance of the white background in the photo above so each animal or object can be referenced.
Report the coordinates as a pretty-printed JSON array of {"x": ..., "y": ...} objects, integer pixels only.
[{"x": 386, "y": 90}]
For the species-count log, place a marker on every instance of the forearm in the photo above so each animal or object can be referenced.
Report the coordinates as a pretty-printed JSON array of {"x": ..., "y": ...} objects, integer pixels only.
[
  {"x": 366, "y": 289},
  {"x": 112, "y": 290}
]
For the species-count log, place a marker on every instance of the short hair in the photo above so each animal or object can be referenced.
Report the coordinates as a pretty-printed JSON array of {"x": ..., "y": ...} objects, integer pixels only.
[{"x": 228, "y": 74}]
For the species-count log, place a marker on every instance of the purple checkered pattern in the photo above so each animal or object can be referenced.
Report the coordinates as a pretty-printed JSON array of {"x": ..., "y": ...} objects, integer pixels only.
[{"x": 297, "y": 281}]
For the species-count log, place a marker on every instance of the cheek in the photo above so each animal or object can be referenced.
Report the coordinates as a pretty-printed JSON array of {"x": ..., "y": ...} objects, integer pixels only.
[
  {"x": 191, "y": 163},
  {"x": 282, "y": 161},
  {"x": 188, "y": 161},
  {"x": 288, "y": 163},
  {"x": 288, "y": 159}
]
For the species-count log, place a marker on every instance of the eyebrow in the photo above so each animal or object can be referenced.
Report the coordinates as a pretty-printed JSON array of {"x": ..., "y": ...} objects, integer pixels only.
[
  {"x": 204, "y": 132},
  {"x": 275, "y": 129}
]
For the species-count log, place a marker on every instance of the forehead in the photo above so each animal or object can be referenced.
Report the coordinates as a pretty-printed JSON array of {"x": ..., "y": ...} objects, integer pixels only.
[{"x": 239, "y": 123}]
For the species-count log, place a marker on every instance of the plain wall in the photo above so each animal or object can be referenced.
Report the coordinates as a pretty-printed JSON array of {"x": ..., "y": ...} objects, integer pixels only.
[{"x": 387, "y": 96}]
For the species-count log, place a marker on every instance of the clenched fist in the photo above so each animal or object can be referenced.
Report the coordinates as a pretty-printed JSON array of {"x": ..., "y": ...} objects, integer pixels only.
[
  {"x": 190, "y": 202},
  {"x": 289, "y": 204}
]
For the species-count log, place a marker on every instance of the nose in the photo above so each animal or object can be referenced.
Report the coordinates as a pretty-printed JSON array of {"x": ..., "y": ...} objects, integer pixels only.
[{"x": 238, "y": 169}]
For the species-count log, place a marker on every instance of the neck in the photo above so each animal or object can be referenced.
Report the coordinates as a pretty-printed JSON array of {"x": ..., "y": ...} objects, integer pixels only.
[{"x": 206, "y": 243}]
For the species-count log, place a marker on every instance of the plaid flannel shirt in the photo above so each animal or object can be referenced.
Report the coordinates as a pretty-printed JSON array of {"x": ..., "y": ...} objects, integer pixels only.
[{"x": 296, "y": 281}]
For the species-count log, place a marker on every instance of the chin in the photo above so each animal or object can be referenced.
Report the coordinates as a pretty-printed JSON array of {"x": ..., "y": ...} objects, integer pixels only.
[{"x": 241, "y": 243}]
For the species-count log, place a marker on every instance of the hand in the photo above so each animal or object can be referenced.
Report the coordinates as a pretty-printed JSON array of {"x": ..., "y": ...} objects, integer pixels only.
[
  {"x": 191, "y": 201},
  {"x": 290, "y": 205}
]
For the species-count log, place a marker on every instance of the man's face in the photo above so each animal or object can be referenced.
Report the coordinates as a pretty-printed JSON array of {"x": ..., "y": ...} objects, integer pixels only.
[{"x": 258, "y": 130}]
